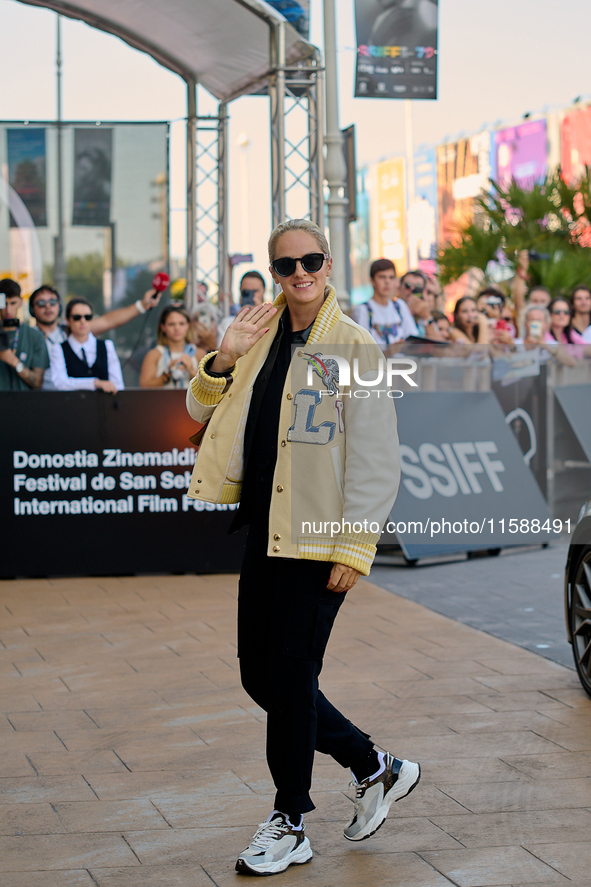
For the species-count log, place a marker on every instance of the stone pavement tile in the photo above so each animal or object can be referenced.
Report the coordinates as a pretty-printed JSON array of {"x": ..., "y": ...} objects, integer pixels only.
[
  {"x": 507, "y": 797},
  {"x": 496, "y": 866},
  {"x": 459, "y": 770},
  {"x": 164, "y": 784},
  {"x": 413, "y": 834},
  {"x": 18, "y": 702},
  {"x": 45, "y": 788},
  {"x": 189, "y": 875},
  {"x": 556, "y": 679},
  {"x": 578, "y": 739},
  {"x": 499, "y": 722},
  {"x": 29, "y": 819},
  {"x": 32, "y": 741},
  {"x": 32, "y": 852},
  {"x": 148, "y": 734},
  {"x": 67, "y": 878},
  {"x": 190, "y": 845},
  {"x": 513, "y": 665},
  {"x": 167, "y": 758},
  {"x": 109, "y": 816},
  {"x": 571, "y": 858},
  {"x": 468, "y": 745},
  {"x": 14, "y": 764},
  {"x": 218, "y": 811},
  {"x": 569, "y": 718},
  {"x": 92, "y": 699},
  {"x": 466, "y": 686},
  {"x": 510, "y": 829},
  {"x": 43, "y": 720},
  {"x": 434, "y": 668},
  {"x": 356, "y": 866},
  {"x": 431, "y": 705},
  {"x": 75, "y": 762},
  {"x": 520, "y": 700},
  {"x": 553, "y": 766}
]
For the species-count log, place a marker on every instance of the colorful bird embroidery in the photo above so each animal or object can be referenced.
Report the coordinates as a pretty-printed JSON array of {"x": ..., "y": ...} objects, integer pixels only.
[{"x": 328, "y": 370}]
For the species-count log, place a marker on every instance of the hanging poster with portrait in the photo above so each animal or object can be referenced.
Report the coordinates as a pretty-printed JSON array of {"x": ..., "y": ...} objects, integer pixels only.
[
  {"x": 396, "y": 49},
  {"x": 521, "y": 154},
  {"x": 575, "y": 144},
  {"x": 93, "y": 156},
  {"x": 27, "y": 171}
]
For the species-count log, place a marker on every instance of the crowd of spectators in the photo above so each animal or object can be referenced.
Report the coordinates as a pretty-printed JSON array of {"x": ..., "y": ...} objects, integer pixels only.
[{"x": 62, "y": 351}]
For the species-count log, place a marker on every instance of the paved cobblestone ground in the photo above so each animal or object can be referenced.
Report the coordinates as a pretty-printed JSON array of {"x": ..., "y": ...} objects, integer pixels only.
[
  {"x": 131, "y": 757},
  {"x": 518, "y": 596}
]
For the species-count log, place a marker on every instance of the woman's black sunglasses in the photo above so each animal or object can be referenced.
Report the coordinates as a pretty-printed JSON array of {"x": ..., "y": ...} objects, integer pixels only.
[{"x": 311, "y": 263}]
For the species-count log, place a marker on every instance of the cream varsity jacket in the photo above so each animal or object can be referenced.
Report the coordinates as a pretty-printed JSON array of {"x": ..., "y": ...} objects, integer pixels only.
[{"x": 338, "y": 467}]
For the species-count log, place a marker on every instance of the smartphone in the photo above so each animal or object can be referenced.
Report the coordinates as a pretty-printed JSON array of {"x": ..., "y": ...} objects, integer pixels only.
[
  {"x": 535, "y": 328},
  {"x": 502, "y": 324},
  {"x": 247, "y": 297}
]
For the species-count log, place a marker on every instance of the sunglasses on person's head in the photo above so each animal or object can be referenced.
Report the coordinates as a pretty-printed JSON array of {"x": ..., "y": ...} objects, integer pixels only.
[
  {"x": 43, "y": 303},
  {"x": 78, "y": 317},
  {"x": 312, "y": 262}
]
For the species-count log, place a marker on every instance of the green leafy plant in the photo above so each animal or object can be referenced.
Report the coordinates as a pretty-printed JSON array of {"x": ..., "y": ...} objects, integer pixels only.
[{"x": 550, "y": 220}]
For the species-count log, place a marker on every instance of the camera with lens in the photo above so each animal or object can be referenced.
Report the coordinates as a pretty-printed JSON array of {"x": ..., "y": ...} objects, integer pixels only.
[{"x": 7, "y": 327}]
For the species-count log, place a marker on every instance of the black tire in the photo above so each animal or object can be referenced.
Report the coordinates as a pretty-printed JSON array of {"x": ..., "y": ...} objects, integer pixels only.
[{"x": 579, "y": 615}]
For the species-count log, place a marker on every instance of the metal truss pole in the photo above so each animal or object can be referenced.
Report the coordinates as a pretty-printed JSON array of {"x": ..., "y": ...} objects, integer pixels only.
[
  {"x": 190, "y": 297},
  {"x": 223, "y": 269},
  {"x": 211, "y": 217},
  {"x": 277, "y": 96},
  {"x": 336, "y": 170},
  {"x": 297, "y": 135}
]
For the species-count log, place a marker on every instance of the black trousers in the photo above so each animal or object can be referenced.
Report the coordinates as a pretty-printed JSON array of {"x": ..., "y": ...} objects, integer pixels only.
[{"x": 285, "y": 616}]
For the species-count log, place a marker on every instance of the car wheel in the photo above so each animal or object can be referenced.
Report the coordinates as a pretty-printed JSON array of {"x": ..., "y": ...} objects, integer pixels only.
[{"x": 580, "y": 617}]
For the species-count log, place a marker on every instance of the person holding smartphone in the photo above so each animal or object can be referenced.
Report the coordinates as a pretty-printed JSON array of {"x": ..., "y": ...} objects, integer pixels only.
[{"x": 252, "y": 294}]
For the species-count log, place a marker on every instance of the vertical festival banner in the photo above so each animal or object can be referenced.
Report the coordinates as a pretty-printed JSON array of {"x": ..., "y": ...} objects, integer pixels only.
[
  {"x": 463, "y": 172},
  {"x": 396, "y": 49},
  {"x": 575, "y": 143},
  {"x": 422, "y": 214},
  {"x": 93, "y": 154},
  {"x": 297, "y": 13},
  {"x": 389, "y": 211},
  {"x": 27, "y": 171},
  {"x": 521, "y": 153}
]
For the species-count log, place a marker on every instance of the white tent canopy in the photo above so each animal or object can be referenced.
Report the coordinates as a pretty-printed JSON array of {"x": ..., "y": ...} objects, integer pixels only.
[{"x": 221, "y": 44}]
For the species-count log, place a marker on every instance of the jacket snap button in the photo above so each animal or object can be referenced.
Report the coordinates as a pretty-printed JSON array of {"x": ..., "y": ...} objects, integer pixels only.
[
  {"x": 212, "y": 436},
  {"x": 229, "y": 394},
  {"x": 283, "y": 443},
  {"x": 197, "y": 491},
  {"x": 276, "y": 537},
  {"x": 279, "y": 488},
  {"x": 199, "y": 481},
  {"x": 289, "y": 396},
  {"x": 276, "y": 548}
]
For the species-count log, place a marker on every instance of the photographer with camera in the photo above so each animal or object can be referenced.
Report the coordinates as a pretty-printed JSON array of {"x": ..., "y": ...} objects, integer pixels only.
[
  {"x": 23, "y": 352},
  {"x": 252, "y": 293}
]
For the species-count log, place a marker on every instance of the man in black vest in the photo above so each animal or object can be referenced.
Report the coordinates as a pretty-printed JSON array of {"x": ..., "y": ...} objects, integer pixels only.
[{"x": 83, "y": 361}]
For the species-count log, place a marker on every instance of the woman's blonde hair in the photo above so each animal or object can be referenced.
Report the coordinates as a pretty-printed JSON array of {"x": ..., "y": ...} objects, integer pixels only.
[{"x": 297, "y": 225}]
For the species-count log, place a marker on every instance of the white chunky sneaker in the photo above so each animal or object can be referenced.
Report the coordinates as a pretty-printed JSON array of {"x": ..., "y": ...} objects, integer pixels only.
[
  {"x": 375, "y": 795},
  {"x": 275, "y": 846}
]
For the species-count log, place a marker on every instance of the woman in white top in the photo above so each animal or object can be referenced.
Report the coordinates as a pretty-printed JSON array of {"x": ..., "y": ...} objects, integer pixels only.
[
  {"x": 175, "y": 359},
  {"x": 83, "y": 361}
]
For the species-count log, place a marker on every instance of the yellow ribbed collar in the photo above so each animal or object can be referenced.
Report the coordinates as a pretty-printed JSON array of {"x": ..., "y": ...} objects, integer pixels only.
[{"x": 326, "y": 318}]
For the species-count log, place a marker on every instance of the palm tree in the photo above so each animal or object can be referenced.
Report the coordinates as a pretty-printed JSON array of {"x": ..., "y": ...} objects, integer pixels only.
[{"x": 550, "y": 220}]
